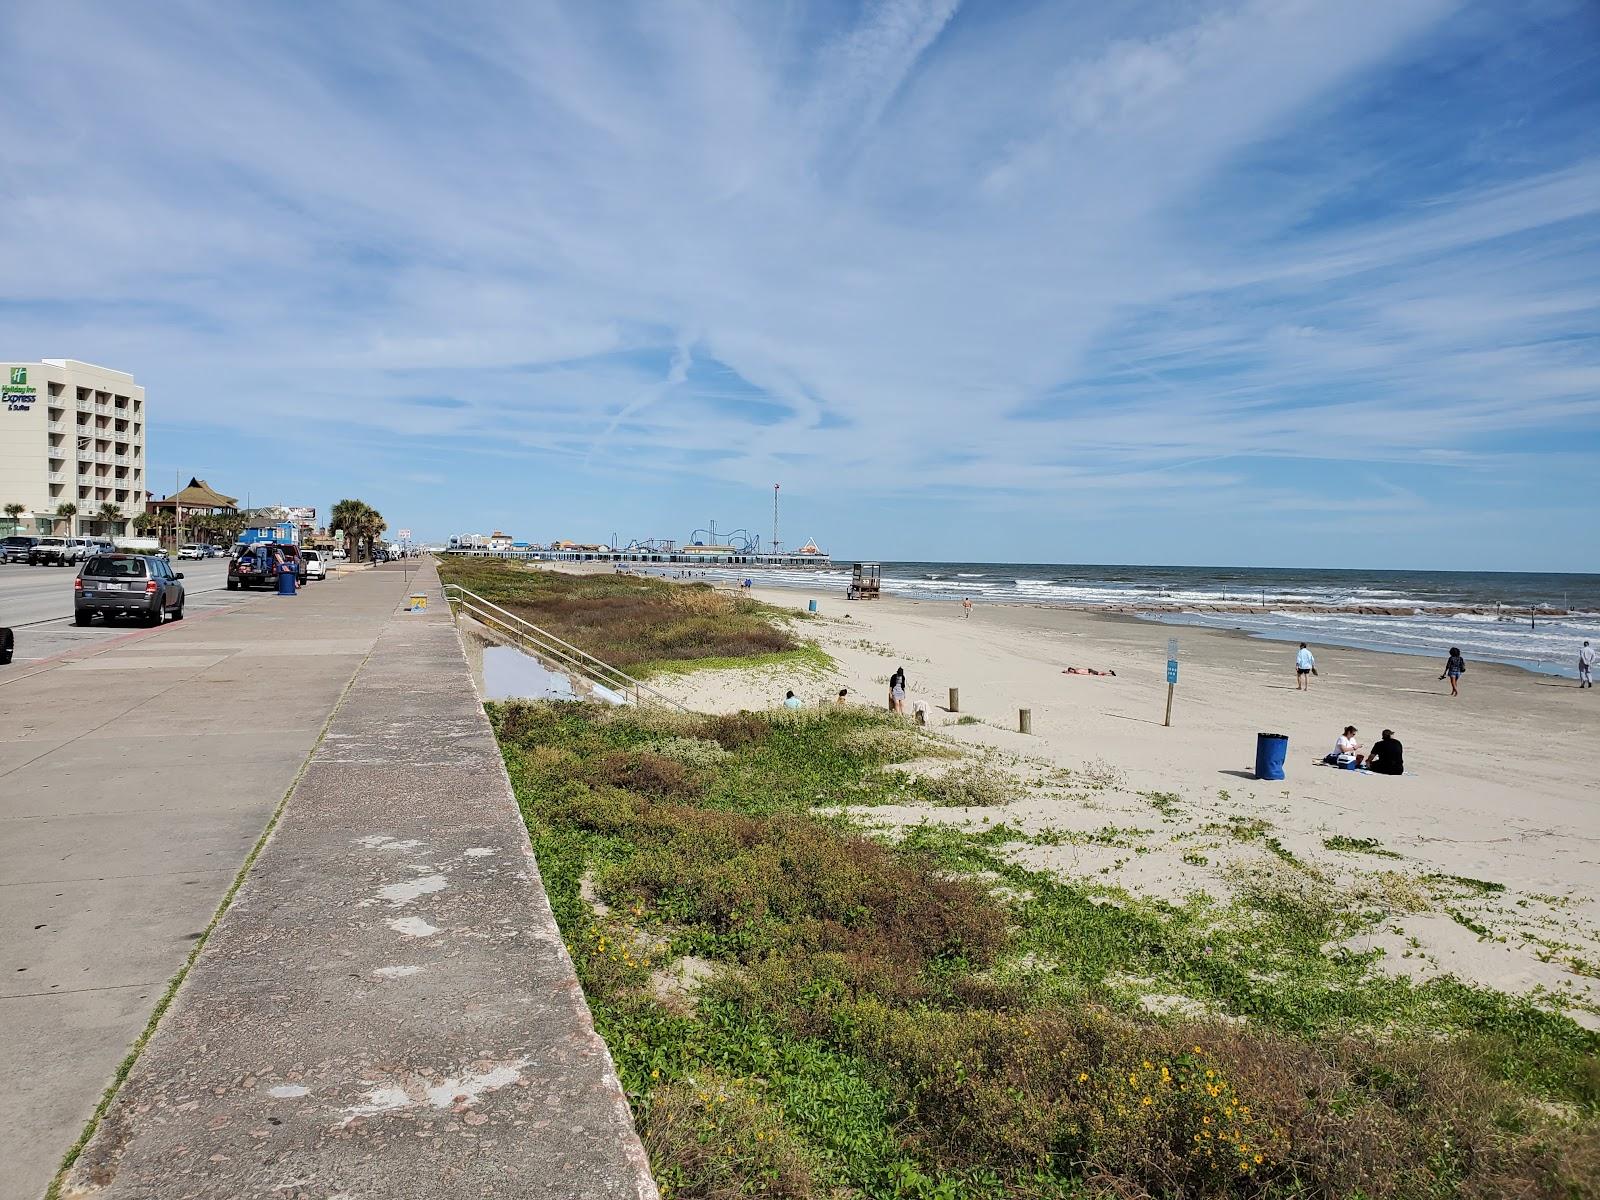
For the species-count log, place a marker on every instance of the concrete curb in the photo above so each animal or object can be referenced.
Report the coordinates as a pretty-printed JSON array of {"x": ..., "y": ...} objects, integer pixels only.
[{"x": 387, "y": 1008}]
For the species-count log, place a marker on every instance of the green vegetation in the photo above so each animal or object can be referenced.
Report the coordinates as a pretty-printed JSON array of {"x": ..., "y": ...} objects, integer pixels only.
[
  {"x": 1358, "y": 846},
  {"x": 644, "y": 626},
  {"x": 920, "y": 1016}
]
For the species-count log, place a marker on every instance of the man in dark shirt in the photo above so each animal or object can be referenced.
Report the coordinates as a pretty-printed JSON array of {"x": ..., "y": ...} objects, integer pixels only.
[{"x": 1387, "y": 757}]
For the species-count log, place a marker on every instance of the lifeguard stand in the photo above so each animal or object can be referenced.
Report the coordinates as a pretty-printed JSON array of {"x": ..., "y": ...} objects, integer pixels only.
[{"x": 864, "y": 584}]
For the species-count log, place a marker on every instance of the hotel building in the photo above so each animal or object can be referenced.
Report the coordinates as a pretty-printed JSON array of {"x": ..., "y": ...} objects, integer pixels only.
[{"x": 70, "y": 433}]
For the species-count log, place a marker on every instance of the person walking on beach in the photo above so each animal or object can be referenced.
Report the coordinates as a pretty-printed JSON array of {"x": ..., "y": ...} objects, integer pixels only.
[
  {"x": 1454, "y": 668},
  {"x": 966, "y": 610},
  {"x": 1586, "y": 666},
  {"x": 897, "y": 690},
  {"x": 1304, "y": 663}
]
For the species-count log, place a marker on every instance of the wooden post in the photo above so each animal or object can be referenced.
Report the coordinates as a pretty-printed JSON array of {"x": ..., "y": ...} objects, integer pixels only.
[
  {"x": 955, "y": 700},
  {"x": 1168, "y": 718},
  {"x": 1024, "y": 720}
]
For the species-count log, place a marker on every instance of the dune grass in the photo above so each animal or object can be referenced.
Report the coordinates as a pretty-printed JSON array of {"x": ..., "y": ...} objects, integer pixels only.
[
  {"x": 642, "y": 625},
  {"x": 918, "y": 1016}
]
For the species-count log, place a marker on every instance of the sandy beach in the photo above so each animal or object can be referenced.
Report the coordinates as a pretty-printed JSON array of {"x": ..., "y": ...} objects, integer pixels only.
[{"x": 1499, "y": 791}]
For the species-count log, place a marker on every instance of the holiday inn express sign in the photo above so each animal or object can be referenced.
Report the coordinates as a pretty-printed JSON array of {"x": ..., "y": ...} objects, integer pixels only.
[{"x": 18, "y": 396}]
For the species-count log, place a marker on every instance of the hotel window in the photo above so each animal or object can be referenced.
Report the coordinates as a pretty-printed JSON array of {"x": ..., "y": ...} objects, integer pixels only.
[{"x": 56, "y": 388}]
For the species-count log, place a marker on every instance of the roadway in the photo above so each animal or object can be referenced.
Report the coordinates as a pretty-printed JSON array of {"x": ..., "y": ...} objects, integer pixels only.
[
  {"x": 137, "y": 769},
  {"x": 33, "y": 595}
]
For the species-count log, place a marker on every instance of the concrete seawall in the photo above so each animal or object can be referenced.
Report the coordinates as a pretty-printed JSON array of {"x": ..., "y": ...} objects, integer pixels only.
[{"x": 387, "y": 1008}]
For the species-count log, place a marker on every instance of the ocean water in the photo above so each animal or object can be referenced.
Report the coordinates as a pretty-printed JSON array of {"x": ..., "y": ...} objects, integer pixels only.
[{"x": 1436, "y": 601}]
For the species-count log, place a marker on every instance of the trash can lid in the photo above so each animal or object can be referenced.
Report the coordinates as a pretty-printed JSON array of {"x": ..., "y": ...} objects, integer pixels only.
[{"x": 1284, "y": 736}]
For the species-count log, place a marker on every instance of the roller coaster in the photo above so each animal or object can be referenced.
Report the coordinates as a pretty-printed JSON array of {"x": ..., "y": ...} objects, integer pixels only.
[{"x": 742, "y": 541}]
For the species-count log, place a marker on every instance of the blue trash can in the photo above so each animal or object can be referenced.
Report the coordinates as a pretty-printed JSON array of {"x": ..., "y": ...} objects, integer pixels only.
[
  {"x": 286, "y": 580},
  {"x": 1271, "y": 750},
  {"x": 811, "y": 606}
]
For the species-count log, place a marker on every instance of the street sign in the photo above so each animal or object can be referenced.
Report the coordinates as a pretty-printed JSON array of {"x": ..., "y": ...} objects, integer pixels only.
[
  {"x": 405, "y": 535},
  {"x": 1172, "y": 676}
]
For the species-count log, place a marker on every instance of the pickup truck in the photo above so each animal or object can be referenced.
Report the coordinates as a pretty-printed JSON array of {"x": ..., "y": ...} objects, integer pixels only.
[
  {"x": 57, "y": 552},
  {"x": 15, "y": 548},
  {"x": 252, "y": 566}
]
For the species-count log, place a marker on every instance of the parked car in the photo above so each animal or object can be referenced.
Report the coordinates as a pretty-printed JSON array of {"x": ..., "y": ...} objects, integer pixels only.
[
  {"x": 127, "y": 585},
  {"x": 194, "y": 550},
  {"x": 338, "y": 554},
  {"x": 218, "y": 551},
  {"x": 15, "y": 548},
  {"x": 315, "y": 567}
]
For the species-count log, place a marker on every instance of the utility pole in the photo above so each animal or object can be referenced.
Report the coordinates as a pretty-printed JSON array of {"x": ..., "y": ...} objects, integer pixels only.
[{"x": 775, "y": 543}]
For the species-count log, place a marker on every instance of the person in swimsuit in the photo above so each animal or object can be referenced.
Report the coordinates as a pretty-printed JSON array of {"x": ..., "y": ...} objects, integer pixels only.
[{"x": 966, "y": 608}]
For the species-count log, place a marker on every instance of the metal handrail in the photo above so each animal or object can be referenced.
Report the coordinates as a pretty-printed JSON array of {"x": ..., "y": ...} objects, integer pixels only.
[{"x": 573, "y": 657}]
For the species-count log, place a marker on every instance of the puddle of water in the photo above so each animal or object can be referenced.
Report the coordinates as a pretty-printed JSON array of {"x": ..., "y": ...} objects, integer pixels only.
[{"x": 509, "y": 674}]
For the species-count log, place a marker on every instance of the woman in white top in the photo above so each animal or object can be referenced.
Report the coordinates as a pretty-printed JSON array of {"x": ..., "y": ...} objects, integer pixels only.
[{"x": 1347, "y": 749}]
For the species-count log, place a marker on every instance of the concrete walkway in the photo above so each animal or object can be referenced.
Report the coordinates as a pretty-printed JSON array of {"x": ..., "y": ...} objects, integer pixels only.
[
  {"x": 136, "y": 773},
  {"x": 387, "y": 1008}
]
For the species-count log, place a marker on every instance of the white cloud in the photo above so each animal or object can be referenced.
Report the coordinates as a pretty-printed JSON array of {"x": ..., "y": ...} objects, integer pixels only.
[{"x": 963, "y": 240}]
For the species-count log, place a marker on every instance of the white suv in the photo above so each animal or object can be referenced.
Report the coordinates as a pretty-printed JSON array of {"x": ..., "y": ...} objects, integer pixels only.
[{"x": 315, "y": 567}]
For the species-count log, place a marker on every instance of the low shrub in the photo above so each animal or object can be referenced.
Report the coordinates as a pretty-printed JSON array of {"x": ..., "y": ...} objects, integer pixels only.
[
  {"x": 691, "y": 751},
  {"x": 645, "y": 772},
  {"x": 628, "y": 621},
  {"x": 858, "y": 1023},
  {"x": 714, "y": 1137},
  {"x": 973, "y": 785}
]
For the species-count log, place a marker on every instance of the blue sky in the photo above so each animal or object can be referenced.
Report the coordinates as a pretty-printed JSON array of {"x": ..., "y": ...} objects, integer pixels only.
[{"x": 1271, "y": 282}]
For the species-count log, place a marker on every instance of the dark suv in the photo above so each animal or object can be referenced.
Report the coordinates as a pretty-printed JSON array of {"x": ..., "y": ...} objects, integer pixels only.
[
  {"x": 127, "y": 585},
  {"x": 15, "y": 548}
]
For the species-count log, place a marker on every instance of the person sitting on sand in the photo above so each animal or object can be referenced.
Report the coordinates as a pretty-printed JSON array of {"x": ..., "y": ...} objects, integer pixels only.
[
  {"x": 791, "y": 701},
  {"x": 1086, "y": 671},
  {"x": 1387, "y": 757},
  {"x": 1346, "y": 751},
  {"x": 1454, "y": 668},
  {"x": 842, "y": 697}
]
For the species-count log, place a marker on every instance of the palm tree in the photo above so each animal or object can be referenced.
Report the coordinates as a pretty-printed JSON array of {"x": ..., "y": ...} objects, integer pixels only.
[
  {"x": 15, "y": 511},
  {"x": 110, "y": 514},
  {"x": 353, "y": 519},
  {"x": 65, "y": 512},
  {"x": 372, "y": 527}
]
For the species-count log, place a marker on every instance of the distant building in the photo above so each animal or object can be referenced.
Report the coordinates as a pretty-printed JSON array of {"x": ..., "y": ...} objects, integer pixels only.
[
  {"x": 479, "y": 541},
  {"x": 71, "y": 433},
  {"x": 282, "y": 533}
]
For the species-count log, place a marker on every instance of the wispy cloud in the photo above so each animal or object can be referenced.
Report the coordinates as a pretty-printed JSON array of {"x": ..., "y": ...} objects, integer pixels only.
[{"x": 1111, "y": 256}]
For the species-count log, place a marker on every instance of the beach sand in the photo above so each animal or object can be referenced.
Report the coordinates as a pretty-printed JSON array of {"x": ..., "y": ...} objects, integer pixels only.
[{"x": 1501, "y": 784}]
